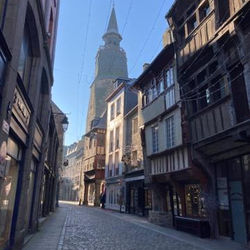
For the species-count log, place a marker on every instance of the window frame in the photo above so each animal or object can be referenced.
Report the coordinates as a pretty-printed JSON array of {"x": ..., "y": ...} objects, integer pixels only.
[
  {"x": 170, "y": 132},
  {"x": 135, "y": 125},
  {"x": 155, "y": 138},
  {"x": 118, "y": 106},
  {"x": 117, "y": 137},
  {"x": 111, "y": 141},
  {"x": 112, "y": 111}
]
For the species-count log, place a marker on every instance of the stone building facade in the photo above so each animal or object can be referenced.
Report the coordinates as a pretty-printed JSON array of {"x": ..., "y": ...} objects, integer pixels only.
[
  {"x": 53, "y": 162},
  {"x": 119, "y": 103},
  {"x": 94, "y": 163},
  {"x": 136, "y": 201},
  {"x": 71, "y": 174},
  {"x": 27, "y": 44}
]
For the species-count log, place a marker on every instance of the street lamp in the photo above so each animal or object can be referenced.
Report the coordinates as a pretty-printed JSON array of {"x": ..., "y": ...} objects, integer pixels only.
[{"x": 65, "y": 123}]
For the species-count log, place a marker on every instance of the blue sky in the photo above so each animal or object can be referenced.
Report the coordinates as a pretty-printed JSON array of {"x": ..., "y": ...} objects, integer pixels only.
[{"x": 81, "y": 26}]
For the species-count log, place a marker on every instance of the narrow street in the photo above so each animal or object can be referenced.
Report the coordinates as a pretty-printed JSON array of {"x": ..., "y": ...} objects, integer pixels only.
[{"x": 79, "y": 227}]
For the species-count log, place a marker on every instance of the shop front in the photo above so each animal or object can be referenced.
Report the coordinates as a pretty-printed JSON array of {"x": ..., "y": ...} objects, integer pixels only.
[
  {"x": 11, "y": 177},
  {"x": 135, "y": 196},
  {"x": 115, "y": 195},
  {"x": 233, "y": 194},
  {"x": 179, "y": 201},
  {"x": 8, "y": 189}
]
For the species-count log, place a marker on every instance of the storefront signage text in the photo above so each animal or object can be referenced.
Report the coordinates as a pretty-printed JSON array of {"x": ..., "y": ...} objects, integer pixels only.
[{"x": 20, "y": 106}]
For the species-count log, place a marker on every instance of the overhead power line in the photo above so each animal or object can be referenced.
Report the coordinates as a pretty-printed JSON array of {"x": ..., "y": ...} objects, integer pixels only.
[{"x": 148, "y": 36}]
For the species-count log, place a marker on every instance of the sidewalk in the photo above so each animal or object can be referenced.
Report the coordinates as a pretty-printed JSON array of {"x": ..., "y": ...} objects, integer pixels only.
[{"x": 48, "y": 237}]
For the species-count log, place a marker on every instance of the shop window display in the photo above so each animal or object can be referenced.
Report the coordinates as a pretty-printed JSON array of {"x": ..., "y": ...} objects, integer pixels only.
[
  {"x": 8, "y": 191},
  {"x": 194, "y": 202},
  {"x": 177, "y": 205},
  {"x": 148, "y": 199}
]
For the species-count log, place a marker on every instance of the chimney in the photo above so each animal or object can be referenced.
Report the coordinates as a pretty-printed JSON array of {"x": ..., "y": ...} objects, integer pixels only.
[{"x": 145, "y": 66}]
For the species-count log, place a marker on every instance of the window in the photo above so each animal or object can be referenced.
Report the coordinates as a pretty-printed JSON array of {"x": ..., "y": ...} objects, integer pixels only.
[
  {"x": 90, "y": 142},
  {"x": 218, "y": 88},
  {"x": 170, "y": 98},
  {"x": 25, "y": 58},
  {"x": 135, "y": 125},
  {"x": 150, "y": 95},
  {"x": 2, "y": 68},
  {"x": 145, "y": 99},
  {"x": 182, "y": 35},
  {"x": 155, "y": 146},
  {"x": 134, "y": 158},
  {"x": 43, "y": 97},
  {"x": 194, "y": 201},
  {"x": 118, "y": 106},
  {"x": 170, "y": 132},
  {"x": 148, "y": 198},
  {"x": 111, "y": 141},
  {"x": 110, "y": 166},
  {"x": 117, "y": 138},
  {"x": 160, "y": 86},
  {"x": 117, "y": 163},
  {"x": 204, "y": 10},
  {"x": 202, "y": 76},
  {"x": 169, "y": 77},
  {"x": 191, "y": 10},
  {"x": 154, "y": 92},
  {"x": 224, "y": 10},
  {"x": 112, "y": 111},
  {"x": 204, "y": 97},
  {"x": 192, "y": 24}
]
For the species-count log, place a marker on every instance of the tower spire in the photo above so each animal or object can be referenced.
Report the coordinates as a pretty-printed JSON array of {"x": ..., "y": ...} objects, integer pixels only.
[
  {"x": 112, "y": 35},
  {"x": 112, "y": 26}
]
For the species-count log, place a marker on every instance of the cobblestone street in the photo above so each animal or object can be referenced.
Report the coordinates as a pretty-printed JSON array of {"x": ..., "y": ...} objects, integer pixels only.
[{"x": 76, "y": 227}]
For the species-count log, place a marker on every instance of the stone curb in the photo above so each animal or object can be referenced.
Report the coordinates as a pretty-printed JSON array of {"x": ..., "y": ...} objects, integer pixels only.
[{"x": 62, "y": 235}]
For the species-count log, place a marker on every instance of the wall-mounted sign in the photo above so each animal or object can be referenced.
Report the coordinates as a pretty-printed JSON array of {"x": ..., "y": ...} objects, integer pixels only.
[
  {"x": 5, "y": 127},
  {"x": 3, "y": 154},
  {"x": 21, "y": 109}
]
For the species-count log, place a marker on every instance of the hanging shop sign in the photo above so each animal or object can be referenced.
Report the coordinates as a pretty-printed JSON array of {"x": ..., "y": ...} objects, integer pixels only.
[{"x": 3, "y": 155}]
